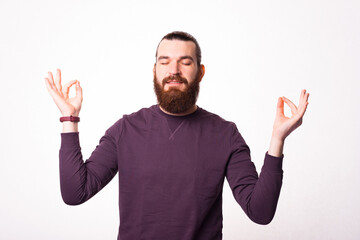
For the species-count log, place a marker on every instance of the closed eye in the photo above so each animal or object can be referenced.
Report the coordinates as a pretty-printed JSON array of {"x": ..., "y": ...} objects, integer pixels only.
[{"x": 186, "y": 60}]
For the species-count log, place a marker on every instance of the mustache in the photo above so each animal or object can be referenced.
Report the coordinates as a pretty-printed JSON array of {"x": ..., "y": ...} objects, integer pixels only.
[{"x": 176, "y": 78}]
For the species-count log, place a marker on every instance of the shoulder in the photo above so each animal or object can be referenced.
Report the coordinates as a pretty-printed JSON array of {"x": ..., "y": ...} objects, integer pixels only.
[
  {"x": 140, "y": 116},
  {"x": 225, "y": 128},
  {"x": 215, "y": 121},
  {"x": 217, "y": 127},
  {"x": 135, "y": 119}
]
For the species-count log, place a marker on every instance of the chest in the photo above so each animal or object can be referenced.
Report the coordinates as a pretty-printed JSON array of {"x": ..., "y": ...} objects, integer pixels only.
[{"x": 192, "y": 159}]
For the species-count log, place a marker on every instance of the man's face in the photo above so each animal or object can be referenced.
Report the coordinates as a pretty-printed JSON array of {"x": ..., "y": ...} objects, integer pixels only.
[{"x": 177, "y": 75}]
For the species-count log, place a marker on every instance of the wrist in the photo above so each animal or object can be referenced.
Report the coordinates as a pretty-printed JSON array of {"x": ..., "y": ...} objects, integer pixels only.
[
  {"x": 276, "y": 147},
  {"x": 75, "y": 114},
  {"x": 277, "y": 139},
  {"x": 70, "y": 127}
]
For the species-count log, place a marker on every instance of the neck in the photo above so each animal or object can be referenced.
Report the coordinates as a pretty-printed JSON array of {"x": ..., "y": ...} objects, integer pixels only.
[{"x": 187, "y": 112}]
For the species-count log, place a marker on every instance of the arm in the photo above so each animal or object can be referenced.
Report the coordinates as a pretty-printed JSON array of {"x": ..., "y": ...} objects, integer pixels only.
[
  {"x": 257, "y": 195},
  {"x": 80, "y": 181}
]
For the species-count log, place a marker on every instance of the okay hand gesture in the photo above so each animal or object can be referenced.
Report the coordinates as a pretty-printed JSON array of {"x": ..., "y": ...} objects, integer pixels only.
[
  {"x": 68, "y": 106},
  {"x": 283, "y": 125}
]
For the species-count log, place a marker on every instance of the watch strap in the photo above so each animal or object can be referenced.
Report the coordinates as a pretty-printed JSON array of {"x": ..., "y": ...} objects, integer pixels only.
[{"x": 70, "y": 118}]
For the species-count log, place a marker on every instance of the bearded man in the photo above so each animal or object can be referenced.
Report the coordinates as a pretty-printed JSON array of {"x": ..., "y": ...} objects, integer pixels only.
[{"x": 172, "y": 158}]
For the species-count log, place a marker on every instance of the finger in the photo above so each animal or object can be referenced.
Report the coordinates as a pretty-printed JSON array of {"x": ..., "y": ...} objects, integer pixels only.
[
  {"x": 306, "y": 97},
  {"x": 303, "y": 98},
  {"x": 291, "y": 105},
  {"x": 66, "y": 88},
  {"x": 54, "y": 94},
  {"x": 280, "y": 107},
  {"x": 79, "y": 93},
  {"x": 58, "y": 79},
  {"x": 49, "y": 86},
  {"x": 51, "y": 78},
  {"x": 47, "y": 83},
  {"x": 304, "y": 104}
]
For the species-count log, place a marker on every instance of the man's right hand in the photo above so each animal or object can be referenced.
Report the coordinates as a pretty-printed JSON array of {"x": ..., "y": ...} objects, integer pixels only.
[{"x": 67, "y": 106}]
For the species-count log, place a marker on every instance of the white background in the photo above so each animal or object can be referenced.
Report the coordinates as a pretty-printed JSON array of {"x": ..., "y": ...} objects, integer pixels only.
[{"x": 253, "y": 51}]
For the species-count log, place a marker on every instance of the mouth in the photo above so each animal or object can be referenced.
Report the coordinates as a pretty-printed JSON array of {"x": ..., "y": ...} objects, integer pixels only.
[{"x": 174, "y": 82}]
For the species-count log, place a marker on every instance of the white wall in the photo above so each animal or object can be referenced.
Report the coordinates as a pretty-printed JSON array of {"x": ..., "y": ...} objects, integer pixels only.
[{"x": 254, "y": 52}]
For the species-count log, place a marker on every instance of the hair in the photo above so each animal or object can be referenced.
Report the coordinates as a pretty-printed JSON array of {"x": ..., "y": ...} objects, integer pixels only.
[{"x": 183, "y": 36}]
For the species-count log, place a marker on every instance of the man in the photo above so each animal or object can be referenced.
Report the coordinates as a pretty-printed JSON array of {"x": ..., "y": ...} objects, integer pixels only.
[{"x": 172, "y": 157}]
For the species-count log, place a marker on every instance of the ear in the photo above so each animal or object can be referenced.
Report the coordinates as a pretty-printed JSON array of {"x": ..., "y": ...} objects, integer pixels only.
[
  {"x": 154, "y": 69},
  {"x": 202, "y": 71}
]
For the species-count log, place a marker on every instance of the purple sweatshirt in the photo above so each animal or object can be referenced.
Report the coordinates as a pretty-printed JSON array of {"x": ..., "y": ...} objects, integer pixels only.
[{"x": 171, "y": 174}]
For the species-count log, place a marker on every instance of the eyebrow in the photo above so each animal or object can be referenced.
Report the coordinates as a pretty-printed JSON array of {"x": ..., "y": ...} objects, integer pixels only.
[{"x": 181, "y": 58}]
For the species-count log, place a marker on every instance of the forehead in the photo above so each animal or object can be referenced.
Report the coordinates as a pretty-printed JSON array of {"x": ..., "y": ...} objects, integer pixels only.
[{"x": 176, "y": 48}]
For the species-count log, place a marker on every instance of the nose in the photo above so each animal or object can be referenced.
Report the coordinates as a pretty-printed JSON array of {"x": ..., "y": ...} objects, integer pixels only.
[{"x": 174, "y": 68}]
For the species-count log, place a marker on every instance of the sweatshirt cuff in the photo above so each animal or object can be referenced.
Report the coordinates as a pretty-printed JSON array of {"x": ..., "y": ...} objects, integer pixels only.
[
  {"x": 273, "y": 163},
  {"x": 70, "y": 140}
]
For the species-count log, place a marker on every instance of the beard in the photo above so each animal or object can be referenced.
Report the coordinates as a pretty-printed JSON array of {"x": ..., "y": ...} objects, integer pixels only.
[{"x": 174, "y": 100}]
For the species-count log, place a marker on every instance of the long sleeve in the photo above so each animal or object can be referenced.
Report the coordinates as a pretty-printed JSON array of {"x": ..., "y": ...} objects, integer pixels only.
[
  {"x": 258, "y": 196},
  {"x": 80, "y": 180}
]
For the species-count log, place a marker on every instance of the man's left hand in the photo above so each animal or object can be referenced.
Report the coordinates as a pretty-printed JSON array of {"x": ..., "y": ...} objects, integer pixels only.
[{"x": 283, "y": 125}]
